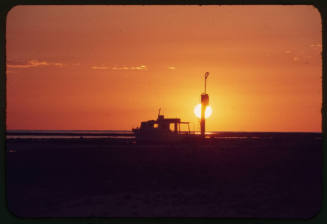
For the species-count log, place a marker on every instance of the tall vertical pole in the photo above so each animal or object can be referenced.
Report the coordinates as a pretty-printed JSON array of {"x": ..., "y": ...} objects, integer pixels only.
[
  {"x": 205, "y": 82},
  {"x": 203, "y": 119},
  {"x": 204, "y": 104}
]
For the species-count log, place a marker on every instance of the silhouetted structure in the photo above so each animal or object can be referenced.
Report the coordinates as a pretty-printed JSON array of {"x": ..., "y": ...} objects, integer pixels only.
[
  {"x": 162, "y": 130},
  {"x": 204, "y": 104},
  {"x": 167, "y": 130}
]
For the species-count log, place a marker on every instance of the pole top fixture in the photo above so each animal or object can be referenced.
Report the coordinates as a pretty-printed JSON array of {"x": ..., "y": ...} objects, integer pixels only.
[
  {"x": 206, "y": 75},
  {"x": 205, "y": 81}
]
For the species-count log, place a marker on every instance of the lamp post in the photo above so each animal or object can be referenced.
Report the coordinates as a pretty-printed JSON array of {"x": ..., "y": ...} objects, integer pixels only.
[{"x": 204, "y": 104}]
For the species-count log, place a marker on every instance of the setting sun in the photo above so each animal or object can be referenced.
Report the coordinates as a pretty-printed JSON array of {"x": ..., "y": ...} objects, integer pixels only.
[{"x": 197, "y": 111}]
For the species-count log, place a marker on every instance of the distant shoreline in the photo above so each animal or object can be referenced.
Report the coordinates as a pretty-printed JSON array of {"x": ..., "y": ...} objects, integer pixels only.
[
  {"x": 129, "y": 135},
  {"x": 10, "y": 131}
]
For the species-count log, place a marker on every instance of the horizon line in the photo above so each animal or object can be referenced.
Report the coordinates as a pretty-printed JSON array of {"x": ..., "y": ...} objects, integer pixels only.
[{"x": 131, "y": 130}]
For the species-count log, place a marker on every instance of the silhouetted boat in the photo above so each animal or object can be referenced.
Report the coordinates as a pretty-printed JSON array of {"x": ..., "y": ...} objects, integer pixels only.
[
  {"x": 163, "y": 130},
  {"x": 167, "y": 130}
]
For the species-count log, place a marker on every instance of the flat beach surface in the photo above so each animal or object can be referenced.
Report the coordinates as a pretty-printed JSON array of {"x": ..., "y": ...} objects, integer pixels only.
[{"x": 261, "y": 178}]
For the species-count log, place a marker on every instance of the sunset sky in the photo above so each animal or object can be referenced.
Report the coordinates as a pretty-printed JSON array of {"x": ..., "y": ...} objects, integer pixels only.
[{"x": 111, "y": 67}]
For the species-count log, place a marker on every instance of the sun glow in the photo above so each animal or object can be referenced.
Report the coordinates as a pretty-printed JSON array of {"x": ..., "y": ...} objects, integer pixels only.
[{"x": 197, "y": 111}]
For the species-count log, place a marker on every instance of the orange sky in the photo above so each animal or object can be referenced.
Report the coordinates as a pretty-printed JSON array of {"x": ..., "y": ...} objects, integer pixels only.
[{"x": 110, "y": 67}]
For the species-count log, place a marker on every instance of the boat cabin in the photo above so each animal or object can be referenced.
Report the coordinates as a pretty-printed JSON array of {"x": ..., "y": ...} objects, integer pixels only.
[{"x": 163, "y": 129}]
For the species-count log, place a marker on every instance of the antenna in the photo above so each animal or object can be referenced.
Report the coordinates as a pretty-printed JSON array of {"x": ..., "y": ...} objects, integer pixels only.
[
  {"x": 159, "y": 112},
  {"x": 205, "y": 81}
]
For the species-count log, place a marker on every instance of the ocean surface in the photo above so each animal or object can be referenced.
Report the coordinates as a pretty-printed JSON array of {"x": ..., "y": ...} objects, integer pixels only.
[
  {"x": 67, "y": 134},
  {"x": 126, "y": 134}
]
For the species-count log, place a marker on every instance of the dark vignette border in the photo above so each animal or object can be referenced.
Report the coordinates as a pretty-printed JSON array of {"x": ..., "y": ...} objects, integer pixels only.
[{"x": 7, "y": 217}]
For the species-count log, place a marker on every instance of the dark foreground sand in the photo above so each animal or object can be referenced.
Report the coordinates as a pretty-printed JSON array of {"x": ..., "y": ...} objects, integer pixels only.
[{"x": 230, "y": 178}]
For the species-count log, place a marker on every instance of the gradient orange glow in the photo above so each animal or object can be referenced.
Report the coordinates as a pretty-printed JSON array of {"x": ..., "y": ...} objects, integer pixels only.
[{"x": 110, "y": 67}]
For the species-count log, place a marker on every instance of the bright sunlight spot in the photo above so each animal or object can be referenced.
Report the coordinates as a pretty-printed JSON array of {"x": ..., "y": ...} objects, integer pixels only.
[{"x": 197, "y": 111}]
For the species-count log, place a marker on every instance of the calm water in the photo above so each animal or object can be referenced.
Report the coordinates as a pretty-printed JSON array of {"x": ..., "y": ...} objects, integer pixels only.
[{"x": 77, "y": 134}]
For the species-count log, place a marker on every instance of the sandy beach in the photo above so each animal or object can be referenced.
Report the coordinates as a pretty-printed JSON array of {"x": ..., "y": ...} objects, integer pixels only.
[{"x": 261, "y": 178}]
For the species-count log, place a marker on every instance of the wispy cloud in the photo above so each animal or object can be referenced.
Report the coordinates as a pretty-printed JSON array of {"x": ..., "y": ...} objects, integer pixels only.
[
  {"x": 32, "y": 64},
  {"x": 315, "y": 45},
  {"x": 302, "y": 59},
  {"x": 298, "y": 57},
  {"x": 140, "y": 67},
  {"x": 100, "y": 67},
  {"x": 117, "y": 68}
]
